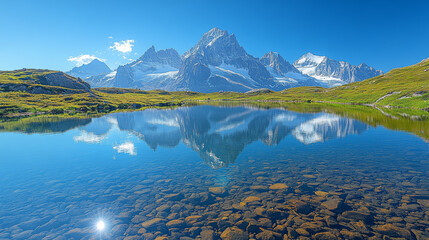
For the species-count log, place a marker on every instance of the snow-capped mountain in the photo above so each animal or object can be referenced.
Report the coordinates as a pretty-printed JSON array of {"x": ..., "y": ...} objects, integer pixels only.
[
  {"x": 285, "y": 73},
  {"x": 332, "y": 72},
  {"x": 95, "y": 67},
  {"x": 218, "y": 63},
  {"x": 151, "y": 71}
]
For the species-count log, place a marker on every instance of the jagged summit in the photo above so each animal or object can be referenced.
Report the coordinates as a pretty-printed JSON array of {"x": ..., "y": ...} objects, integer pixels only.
[
  {"x": 278, "y": 63},
  {"x": 167, "y": 56}
]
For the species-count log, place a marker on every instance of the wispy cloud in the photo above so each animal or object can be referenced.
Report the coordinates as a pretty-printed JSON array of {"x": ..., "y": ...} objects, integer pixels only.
[
  {"x": 125, "y": 46},
  {"x": 110, "y": 37},
  {"x": 83, "y": 59},
  {"x": 127, "y": 147}
]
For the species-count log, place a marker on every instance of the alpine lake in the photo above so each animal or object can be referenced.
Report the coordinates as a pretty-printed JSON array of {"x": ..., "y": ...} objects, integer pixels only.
[{"x": 216, "y": 172}]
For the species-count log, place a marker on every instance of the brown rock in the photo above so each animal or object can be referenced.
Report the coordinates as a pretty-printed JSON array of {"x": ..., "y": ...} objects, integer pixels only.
[
  {"x": 150, "y": 224},
  {"x": 252, "y": 199},
  {"x": 174, "y": 197},
  {"x": 351, "y": 235},
  {"x": 312, "y": 226},
  {"x": 267, "y": 235},
  {"x": 360, "y": 227},
  {"x": 302, "y": 232},
  {"x": 321, "y": 193},
  {"x": 325, "y": 236},
  {"x": 161, "y": 238},
  {"x": 278, "y": 186},
  {"x": 177, "y": 223},
  {"x": 301, "y": 207},
  {"x": 276, "y": 214},
  {"x": 358, "y": 216},
  {"x": 217, "y": 190},
  {"x": 192, "y": 219},
  {"x": 207, "y": 234},
  {"x": 393, "y": 231},
  {"x": 334, "y": 204},
  {"x": 234, "y": 233},
  {"x": 260, "y": 211}
]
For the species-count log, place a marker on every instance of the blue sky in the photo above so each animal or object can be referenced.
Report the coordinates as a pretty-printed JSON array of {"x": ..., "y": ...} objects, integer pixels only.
[{"x": 47, "y": 34}]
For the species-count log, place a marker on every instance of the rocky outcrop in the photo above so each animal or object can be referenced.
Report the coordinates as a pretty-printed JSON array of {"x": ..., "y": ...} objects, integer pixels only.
[{"x": 61, "y": 79}]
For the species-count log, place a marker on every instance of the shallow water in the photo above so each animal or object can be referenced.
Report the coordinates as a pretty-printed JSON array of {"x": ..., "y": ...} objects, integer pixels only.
[{"x": 211, "y": 172}]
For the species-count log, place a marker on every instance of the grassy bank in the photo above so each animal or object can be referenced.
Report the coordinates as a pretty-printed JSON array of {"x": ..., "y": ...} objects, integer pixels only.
[{"x": 404, "y": 88}]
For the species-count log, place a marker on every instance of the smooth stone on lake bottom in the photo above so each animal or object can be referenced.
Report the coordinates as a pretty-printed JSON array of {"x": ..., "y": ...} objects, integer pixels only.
[
  {"x": 192, "y": 219},
  {"x": 278, "y": 186},
  {"x": 325, "y": 236},
  {"x": 175, "y": 223},
  {"x": 234, "y": 233},
  {"x": 217, "y": 190},
  {"x": 151, "y": 223},
  {"x": 321, "y": 193},
  {"x": 251, "y": 199},
  {"x": 393, "y": 231}
]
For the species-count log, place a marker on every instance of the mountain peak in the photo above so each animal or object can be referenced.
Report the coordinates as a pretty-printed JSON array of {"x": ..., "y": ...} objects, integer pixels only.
[
  {"x": 167, "y": 56},
  {"x": 309, "y": 58},
  {"x": 277, "y": 62},
  {"x": 215, "y": 37},
  {"x": 150, "y": 52},
  {"x": 96, "y": 60},
  {"x": 215, "y": 32},
  {"x": 363, "y": 65},
  {"x": 95, "y": 67}
]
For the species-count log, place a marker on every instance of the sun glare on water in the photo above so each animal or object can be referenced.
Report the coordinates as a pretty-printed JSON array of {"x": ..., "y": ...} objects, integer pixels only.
[{"x": 100, "y": 225}]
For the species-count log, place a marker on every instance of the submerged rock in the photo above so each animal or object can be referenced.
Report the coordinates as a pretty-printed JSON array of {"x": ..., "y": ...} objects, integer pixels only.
[
  {"x": 234, "y": 233},
  {"x": 251, "y": 199},
  {"x": 153, "y": 223},
  {"x": 393, "y": 231},
  {"x": 278, "y": 186},
  {"x": 217, "y": 190},
  {"x": 177, "y": 223}
]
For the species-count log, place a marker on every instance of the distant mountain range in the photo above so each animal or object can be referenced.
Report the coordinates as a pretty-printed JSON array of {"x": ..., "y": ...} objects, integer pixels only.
[{"x": 218, "y": 63}]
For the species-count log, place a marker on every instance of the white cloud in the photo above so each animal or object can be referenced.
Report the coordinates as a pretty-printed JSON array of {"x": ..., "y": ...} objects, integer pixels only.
[
  {"x": 127, "y": 147},
  {"x": 83, "y": 59},
  {"x": 110, "y": 37},
  {"x": 89, "y": 137},
  {"x": 123, "y": 46}
]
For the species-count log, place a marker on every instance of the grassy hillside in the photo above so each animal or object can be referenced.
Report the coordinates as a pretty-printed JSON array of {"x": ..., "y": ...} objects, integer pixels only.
[{"x": 405, "y": 88}]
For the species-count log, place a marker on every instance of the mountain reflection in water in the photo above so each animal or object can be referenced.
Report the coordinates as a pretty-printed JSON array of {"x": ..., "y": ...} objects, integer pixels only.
[{"x": 220, "y": 134}]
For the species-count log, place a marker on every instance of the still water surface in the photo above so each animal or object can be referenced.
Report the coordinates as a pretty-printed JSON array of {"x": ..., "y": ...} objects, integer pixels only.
[{"x": 211, "y": 172}]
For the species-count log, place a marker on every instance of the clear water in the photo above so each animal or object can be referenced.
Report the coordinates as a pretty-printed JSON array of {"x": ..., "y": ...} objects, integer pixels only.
[{"x": 60, "y": 180}]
